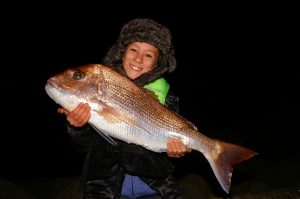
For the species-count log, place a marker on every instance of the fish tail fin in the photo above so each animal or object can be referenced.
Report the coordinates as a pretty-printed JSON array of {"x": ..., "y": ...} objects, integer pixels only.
[{"x": 224, "y": 157}]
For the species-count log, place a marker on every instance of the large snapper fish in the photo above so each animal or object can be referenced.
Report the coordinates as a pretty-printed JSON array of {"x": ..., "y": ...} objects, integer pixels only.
[{"x": 122, "y": 110}]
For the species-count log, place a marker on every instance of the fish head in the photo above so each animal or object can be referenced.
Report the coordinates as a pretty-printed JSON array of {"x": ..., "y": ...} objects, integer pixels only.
[{"x": 74, "y": 85}]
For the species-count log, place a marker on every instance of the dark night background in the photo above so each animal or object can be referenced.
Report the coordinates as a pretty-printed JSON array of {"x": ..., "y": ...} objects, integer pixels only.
[{"x": 237, "y": 79}]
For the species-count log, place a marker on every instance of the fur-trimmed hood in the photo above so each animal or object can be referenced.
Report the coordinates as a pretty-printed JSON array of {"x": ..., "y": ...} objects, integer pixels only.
[{"x": 143, "y": 30}]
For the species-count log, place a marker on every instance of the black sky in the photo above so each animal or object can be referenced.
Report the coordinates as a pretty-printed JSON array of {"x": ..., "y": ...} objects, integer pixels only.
[{"x": 236, "y": 79}]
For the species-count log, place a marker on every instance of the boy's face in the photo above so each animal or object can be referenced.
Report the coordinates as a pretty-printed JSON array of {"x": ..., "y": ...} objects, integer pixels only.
[{"x": 139, "y": 58}]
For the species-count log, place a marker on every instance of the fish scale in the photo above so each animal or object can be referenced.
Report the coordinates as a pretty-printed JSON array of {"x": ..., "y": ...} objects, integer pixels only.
[{"x": 137, "y": 106}]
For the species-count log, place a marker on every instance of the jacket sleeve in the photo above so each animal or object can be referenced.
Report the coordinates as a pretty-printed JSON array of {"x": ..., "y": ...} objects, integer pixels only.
[
  {"x": 81, "y": 138},
  {"x": 172, "y": 101}
]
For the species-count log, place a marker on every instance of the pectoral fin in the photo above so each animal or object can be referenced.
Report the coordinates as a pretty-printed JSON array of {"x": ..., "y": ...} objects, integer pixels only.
[{"x": 105, "y": 136}]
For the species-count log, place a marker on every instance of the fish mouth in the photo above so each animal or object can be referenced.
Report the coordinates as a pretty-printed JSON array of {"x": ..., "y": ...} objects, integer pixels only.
[{"x": 52, "y": 82}]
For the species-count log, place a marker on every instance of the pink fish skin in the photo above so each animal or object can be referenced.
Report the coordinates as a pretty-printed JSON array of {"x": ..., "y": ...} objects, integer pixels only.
[{"x": 122, "y": 110}]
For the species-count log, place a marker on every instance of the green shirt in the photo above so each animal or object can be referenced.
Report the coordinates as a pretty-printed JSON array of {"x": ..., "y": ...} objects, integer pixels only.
[{"x": 160, "y": 87}]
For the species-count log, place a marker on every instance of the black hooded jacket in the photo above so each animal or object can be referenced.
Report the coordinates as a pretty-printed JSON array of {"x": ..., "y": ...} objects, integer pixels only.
[{"x": 107, "y": 164}]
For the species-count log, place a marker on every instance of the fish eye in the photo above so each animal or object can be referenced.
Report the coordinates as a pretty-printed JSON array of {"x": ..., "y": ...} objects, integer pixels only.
[{"x": 78, "y": 75}]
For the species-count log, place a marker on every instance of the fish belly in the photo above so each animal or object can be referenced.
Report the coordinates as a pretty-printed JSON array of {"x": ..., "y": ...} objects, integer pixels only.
[{"x": 149, "y": 137}]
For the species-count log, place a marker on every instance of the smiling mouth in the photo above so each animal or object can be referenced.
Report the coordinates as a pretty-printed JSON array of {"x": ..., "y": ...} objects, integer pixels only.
[{"x": 135, "y": 68}]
